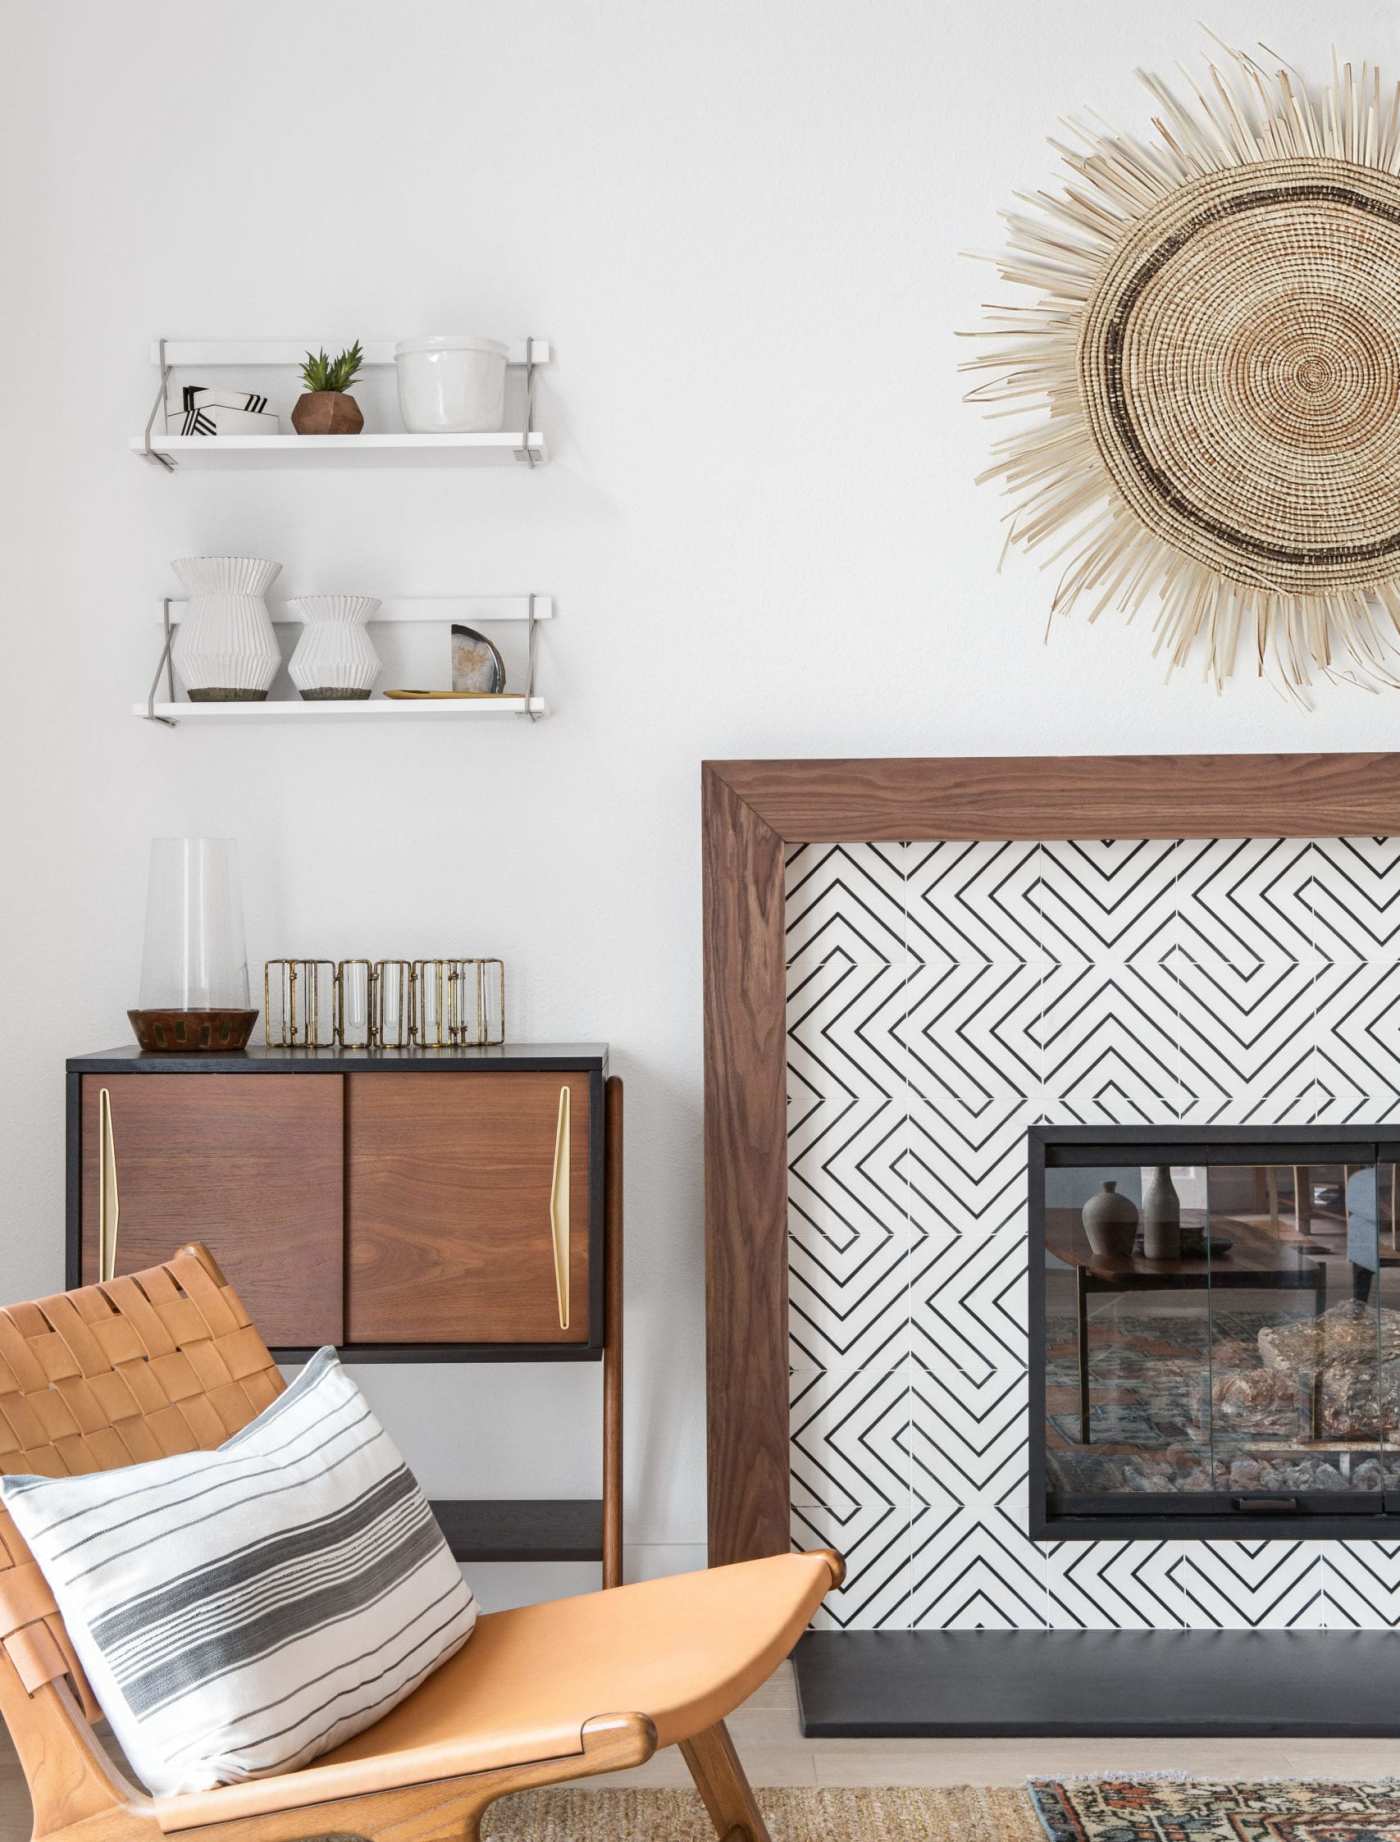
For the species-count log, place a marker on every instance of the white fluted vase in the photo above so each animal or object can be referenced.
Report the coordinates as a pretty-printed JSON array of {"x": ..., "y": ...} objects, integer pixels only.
[
  {"x": 225, "y": 650},
  {"x": 334, "y": 657}
]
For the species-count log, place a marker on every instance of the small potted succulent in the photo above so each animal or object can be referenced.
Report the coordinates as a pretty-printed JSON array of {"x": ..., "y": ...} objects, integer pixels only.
[{"x": 325, "y": 408}]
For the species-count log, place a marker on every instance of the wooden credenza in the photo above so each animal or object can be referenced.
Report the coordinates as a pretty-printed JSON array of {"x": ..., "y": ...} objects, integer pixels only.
[{"x": 406, "y": 1206}]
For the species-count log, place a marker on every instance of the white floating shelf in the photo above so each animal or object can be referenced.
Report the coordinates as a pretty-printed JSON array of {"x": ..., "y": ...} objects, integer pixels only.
[
  {"x": 406, "y": 610},
  {"x": 180, "y": 353},
  {"x": 503, "y": 449},
  {"x": 494, "y": 450},
  {"x": 416, "y": 610},
  {"x": 393, "y": 709}
]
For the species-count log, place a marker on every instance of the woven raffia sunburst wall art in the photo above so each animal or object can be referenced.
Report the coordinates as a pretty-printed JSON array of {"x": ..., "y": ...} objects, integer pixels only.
[{"x": 1216, "y": 339}]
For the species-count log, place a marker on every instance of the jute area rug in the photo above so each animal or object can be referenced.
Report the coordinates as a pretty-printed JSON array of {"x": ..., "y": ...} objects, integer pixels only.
[
  {"x": 801, "y": 1814},
  {"x": 1047, "y": 1810}
]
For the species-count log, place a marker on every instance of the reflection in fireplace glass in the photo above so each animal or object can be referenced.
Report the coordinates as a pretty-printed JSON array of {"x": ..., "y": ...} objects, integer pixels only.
[{"x": 1256, "y": 1351}]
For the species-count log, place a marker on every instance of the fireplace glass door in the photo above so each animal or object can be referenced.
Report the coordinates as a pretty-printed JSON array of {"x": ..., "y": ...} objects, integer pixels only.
[{"x": 1216, "y": 1327}]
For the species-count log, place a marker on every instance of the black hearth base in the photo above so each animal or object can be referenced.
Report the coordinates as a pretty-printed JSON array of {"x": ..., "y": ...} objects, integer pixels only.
[{"x": 892, "y": 1685}]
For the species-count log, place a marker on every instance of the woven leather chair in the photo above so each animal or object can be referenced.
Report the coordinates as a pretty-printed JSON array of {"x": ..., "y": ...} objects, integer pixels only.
[{"x": 167, "y": 1361}]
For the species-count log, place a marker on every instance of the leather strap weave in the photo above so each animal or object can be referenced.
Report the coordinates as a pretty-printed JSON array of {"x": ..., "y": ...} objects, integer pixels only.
[{"x": 145, "y": 1366}]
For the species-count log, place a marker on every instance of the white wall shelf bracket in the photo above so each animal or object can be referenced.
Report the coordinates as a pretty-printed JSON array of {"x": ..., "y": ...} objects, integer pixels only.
[
  {"x": 166, "y": 665},
  {"x": 158, "y": 409},
  {"x": 525, "y": 452},
  {"x": 531, "y": 618}
]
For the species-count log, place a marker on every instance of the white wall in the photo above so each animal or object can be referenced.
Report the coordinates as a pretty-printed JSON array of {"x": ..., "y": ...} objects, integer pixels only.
[{"x": 740, "y": 224}]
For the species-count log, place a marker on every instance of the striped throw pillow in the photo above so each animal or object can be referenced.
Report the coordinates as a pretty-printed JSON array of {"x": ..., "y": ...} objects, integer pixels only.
[{"x": 243, "y": 1610}]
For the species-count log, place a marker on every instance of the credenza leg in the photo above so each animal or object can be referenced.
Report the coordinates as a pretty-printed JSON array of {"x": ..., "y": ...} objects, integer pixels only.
[{"x": 612, "y": 1345}]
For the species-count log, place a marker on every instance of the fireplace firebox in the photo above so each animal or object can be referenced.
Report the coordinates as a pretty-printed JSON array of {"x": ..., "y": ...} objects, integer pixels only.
[{"x": 1215, "y": 1332}]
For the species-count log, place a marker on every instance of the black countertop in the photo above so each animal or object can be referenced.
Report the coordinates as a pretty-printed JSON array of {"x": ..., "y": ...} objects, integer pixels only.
[{"x": 510, "y": 1058}]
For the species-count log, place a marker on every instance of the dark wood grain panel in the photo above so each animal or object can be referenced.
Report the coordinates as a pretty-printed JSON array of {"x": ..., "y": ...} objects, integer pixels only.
[
  {"x": 449, "y": 1180},
  {"x": 1072, "y": 796},
  {"x": 253, "y": 1169},
  {"x": 745, "y": 1179}
]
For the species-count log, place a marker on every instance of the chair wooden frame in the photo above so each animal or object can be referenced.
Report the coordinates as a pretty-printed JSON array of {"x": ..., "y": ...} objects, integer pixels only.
[{"x": 166, "y": 1361}]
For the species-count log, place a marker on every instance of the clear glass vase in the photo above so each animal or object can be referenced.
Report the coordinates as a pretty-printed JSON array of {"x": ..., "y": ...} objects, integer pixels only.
[{"x": 194, "y": 965}]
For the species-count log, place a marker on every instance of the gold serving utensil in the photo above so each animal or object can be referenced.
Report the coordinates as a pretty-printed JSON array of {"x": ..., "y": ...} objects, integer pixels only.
[{"x": 488, "y": 695}]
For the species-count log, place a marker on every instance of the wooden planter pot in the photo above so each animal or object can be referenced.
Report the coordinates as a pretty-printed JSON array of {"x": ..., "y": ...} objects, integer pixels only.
[{"x": 327, "y": 412}]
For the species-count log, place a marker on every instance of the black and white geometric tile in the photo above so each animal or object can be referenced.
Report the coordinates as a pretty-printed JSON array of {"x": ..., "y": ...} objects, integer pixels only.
[
  {"x": 1107, "y": 902},
  {"x": 851, "y": 1487},
  {"x": 943, "y": 997},
  {"x": 973, "y": 903},
  {"x": 973, "y": 1565},
  {"x": 1361, "y": 1583},
  {"x": 964, "y": 1171},
  {"x": 1252, "y": 1586},
  {"x": 1353, "y": 891},
  {"x": 1114, "y": 1586},
  {"x": 850, "y": 1438}
]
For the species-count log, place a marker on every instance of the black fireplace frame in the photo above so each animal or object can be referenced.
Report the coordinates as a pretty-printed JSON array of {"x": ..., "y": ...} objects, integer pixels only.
[{"x": 1207, "y": 1516}]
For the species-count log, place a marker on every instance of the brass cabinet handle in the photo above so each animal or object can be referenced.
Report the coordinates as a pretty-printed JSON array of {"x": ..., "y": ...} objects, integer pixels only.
[
  {"x": 559, "y": 1209},
  {"x": 108, "y": 1203}
]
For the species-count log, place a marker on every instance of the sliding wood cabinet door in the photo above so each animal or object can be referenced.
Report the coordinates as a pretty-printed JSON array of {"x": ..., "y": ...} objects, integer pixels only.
[
  {"x": 459, "y": 1190},
  {"x": 252, "y": 1165}
]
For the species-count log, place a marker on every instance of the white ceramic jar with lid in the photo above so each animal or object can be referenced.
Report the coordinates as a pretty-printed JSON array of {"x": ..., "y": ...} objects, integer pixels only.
[{"x": 451, "y": 384}]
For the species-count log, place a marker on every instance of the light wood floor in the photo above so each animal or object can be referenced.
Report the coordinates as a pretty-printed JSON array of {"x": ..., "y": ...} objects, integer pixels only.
[{"x": 766, "y": 1732}]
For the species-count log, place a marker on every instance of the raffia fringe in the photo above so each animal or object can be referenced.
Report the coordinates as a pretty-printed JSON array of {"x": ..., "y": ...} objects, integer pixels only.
[{"x": 1065, "y": 507}]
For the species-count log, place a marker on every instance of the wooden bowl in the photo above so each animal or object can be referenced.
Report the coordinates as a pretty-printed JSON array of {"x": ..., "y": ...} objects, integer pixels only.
[{"x": 192, "y": 1032}]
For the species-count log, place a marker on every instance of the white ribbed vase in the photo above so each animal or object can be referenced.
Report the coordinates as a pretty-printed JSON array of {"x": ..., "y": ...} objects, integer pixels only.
[
  {"x": 225, "y": 649},
  {"x": 334, "y": 657}
]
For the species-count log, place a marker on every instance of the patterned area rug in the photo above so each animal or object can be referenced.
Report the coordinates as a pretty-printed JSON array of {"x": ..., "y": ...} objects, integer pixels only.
[{"x": 1197, "y": 1810}]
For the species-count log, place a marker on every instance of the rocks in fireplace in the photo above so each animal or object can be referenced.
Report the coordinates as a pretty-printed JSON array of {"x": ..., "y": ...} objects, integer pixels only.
[
  {"x": 1352, "y": 1352},
  {"x": 1179, "y": 1469}
]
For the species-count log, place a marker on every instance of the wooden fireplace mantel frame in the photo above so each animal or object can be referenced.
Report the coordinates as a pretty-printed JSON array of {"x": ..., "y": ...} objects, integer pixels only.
[{"x": 752, "y": 811}]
